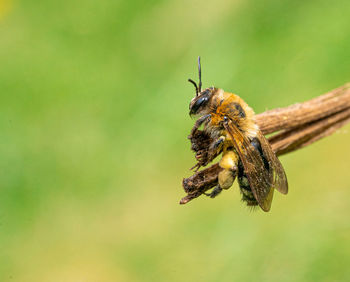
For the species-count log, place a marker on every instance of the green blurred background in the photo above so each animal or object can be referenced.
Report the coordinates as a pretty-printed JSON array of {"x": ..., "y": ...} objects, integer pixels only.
[{"x": 93, "y": 127}]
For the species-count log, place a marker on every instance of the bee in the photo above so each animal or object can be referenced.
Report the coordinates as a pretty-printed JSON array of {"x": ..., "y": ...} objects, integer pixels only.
[{"x": 233, "y": 132}]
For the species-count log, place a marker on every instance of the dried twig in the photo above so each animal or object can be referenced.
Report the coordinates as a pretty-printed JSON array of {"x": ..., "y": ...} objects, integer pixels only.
[{"x": 295, "y": 127}]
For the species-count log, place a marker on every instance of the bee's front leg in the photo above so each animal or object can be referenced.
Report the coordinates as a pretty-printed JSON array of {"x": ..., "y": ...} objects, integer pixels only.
[{"x": 199, "y": 122}]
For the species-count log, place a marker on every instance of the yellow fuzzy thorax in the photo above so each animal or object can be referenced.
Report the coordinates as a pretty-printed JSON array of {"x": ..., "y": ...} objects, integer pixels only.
[{"x": 223, "y": 103}]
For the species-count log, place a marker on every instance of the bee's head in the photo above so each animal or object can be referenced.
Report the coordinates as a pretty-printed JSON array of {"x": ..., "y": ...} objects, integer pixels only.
[{"x": 200, "y": 102}]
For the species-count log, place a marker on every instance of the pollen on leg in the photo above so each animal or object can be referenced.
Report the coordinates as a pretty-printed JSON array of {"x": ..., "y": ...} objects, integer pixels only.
[
  {"x": 226, "y": 178},
  {"x": 228, "y": 160}
]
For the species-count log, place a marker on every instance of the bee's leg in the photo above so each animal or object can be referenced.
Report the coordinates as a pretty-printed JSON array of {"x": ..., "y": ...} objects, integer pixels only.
[
  {"x": 198, "y": 123},
  {"x": 215, "y": 148},
  {"x": 226, "y": 176},
  {"x": 216, "y": 191},
  {"x": 228, "y": 163},
  {"x": 217, "y": 145}
]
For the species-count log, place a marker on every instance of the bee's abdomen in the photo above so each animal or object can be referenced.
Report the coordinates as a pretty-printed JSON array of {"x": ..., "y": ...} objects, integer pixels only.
[{"x": 246, "y": 191}]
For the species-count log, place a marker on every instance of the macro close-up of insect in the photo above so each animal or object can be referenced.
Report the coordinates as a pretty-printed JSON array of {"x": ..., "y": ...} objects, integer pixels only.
[
  {"x": 231, "y": 130},
  {"x": 127, "y": 157}
]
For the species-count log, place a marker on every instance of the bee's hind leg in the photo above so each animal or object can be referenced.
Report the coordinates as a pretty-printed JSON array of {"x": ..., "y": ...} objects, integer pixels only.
[
  {"x": 226, "y": 176},
  {"x": 216, "y": 191}
]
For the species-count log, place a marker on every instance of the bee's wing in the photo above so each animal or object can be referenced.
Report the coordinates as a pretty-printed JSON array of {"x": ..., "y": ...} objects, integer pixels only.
[
  {"x": 279, "y": 181},
  {"x": 262, "y": 181}
]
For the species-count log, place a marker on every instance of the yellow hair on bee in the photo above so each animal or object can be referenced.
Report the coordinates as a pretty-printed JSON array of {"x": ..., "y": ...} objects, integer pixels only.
[{"x": 232, "y": 106}]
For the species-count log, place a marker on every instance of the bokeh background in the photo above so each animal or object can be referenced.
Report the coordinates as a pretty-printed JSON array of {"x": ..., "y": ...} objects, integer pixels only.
[{"x": 93, "y": 149}]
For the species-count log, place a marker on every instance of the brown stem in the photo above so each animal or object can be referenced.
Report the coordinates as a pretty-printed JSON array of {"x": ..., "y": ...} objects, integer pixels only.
[
  {"x": 295, "y": 127},
  {"x": 298, "y": 114}
]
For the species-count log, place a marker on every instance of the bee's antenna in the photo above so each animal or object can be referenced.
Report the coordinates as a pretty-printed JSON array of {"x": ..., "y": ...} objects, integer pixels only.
[
  {"x": 195, "y": 85},
  {"x": 200, "y": 74}
]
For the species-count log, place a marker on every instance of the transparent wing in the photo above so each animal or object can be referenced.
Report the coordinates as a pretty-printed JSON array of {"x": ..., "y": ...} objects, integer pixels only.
[{"x": 279, "y": 180}]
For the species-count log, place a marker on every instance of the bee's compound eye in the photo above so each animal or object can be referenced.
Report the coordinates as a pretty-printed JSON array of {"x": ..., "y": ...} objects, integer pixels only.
[{"x": 201, "y": 102}]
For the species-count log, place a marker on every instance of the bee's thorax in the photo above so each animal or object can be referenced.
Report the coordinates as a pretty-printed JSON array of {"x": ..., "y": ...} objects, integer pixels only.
[{"x": 227, "y": 105}]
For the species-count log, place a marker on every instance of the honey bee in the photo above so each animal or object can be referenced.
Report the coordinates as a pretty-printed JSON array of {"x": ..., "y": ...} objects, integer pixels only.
[{"x": 230, "y": 123}]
